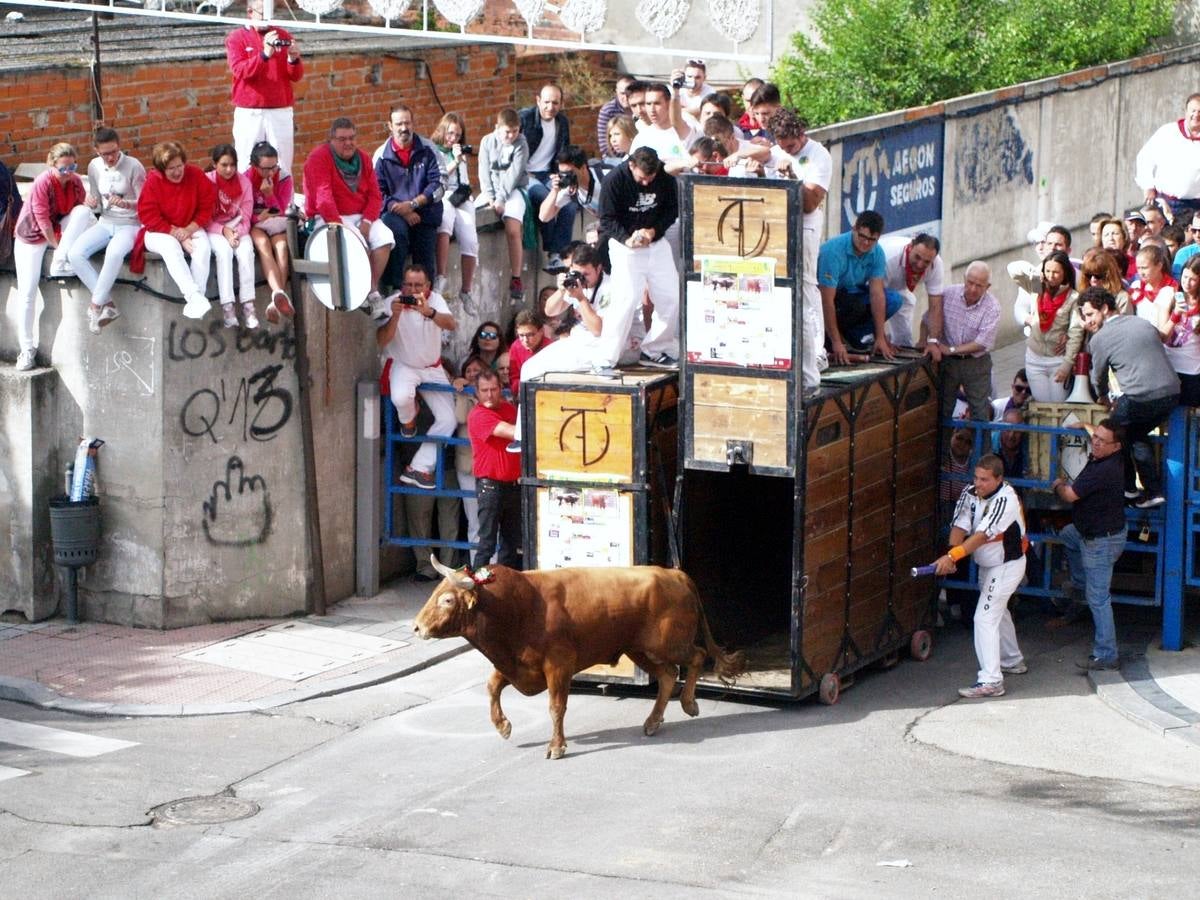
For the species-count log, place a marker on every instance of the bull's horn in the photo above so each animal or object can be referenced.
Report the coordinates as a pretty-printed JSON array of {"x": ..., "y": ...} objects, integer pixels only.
[{"x": 446, "y": 572}]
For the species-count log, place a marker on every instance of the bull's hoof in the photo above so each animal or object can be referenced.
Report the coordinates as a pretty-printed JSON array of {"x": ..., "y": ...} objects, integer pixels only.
[
  {"x": 651, "y": 726},
  {"x": 556, "y": 752},
  {"x": 504, "y": 727},
  {"x": 691, "y": 707}
]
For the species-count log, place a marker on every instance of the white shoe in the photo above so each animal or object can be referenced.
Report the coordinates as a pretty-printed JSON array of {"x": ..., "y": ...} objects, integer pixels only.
[
  {"x": 94, "y": 319},
  {"x": 248, "y": 314},
  {"x": 108, "y": 313},
  {"x": 229, "y": 315},
  {"x": 26, "y": 360},
  {"x": 61, "y": 268},
  {"x": 197, "y": 306},
  {"x": 380, "y": 307},
  {"x": 439, "y": 285}
]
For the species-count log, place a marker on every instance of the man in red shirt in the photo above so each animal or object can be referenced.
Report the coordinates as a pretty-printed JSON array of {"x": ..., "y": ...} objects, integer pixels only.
[
  {"x": 340, "y": 186},
  {"x": 264, "y": 62},
  {"x": 530, "y": 339},
  {"x": 491, "y": 426}
]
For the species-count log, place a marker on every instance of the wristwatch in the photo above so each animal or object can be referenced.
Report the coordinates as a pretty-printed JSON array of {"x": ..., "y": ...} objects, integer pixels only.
[{"x": 953, "y": 351}]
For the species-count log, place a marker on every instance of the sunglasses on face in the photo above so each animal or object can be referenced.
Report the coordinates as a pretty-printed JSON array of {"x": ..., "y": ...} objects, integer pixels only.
[
  {"x": 67, "y": 168},
  {"x": 1020, "y": 388},
  {"x": 488, "y": 335}
]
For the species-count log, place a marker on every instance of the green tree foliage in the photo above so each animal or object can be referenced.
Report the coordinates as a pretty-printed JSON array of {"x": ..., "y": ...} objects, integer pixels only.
[{"x": 874, "y": 56}]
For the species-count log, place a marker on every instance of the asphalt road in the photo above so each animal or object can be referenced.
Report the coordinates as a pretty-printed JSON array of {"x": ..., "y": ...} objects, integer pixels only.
[{"x": 405, "y": 789}]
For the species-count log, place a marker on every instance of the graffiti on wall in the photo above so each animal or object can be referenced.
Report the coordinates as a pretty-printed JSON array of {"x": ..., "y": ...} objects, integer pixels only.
[
  {"x": 992, "y": 155},
  {"x": 238, "y": 511}
]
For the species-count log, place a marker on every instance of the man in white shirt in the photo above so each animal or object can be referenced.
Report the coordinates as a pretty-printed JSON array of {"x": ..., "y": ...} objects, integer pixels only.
[
  {"x": 412, "y": 339},
  {"x": 796, "y": 155},
  {"x": 668, "y": 134},
  {"x": 1168, "y": 165},
  {"x": 692, "y": 88},
  {"x": 910, "y": 262}
]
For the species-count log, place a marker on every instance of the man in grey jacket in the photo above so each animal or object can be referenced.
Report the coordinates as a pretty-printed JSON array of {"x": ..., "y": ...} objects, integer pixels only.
[{"x": 1131, "y": 347}]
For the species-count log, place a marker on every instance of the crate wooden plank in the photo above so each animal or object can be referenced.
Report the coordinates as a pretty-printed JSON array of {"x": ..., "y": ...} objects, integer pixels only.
[
  {"x": 733, "y": 220},
  {"x": 1055, "y": 414},
  {"x": 584, "y": 436},
  {"x": 735, "y": 407}
]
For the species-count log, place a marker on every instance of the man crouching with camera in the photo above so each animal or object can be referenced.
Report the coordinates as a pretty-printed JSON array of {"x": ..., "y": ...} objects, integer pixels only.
[
  {"x": 599, "y": 339},
  {"x": 411, "y": 338}
]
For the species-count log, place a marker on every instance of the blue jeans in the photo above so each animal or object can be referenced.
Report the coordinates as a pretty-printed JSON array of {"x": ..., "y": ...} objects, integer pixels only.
[
  {"x": 854, "y": 313},
  {"x": 556, "y": 233},
  {"x": 1091, "y": 563}
]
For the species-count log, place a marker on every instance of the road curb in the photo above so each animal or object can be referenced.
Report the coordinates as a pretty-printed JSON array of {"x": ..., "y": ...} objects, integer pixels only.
[{"x": 1133, "y": 692}]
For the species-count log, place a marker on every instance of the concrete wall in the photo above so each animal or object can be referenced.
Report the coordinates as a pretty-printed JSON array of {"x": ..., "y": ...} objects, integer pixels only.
[{"x": 1060, "y": 149}]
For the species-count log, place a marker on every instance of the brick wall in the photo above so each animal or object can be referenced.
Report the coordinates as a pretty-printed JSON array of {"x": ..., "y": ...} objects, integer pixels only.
[{"x": 188, "y": 99}]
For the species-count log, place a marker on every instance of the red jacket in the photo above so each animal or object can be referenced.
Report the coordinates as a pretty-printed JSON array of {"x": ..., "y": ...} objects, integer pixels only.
[
  {"x": 327, "y": 195},
  {"x": 40, "y": 215},
  {"x": 163, "y": 205},
  {"x": 260, "y": 83}
]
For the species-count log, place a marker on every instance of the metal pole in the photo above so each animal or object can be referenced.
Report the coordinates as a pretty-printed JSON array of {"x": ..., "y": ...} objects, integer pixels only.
[
  {"x": 1175, "y": 459},
  {"x": 72, "y": 595},
  {"x": 368, "y": 488}
]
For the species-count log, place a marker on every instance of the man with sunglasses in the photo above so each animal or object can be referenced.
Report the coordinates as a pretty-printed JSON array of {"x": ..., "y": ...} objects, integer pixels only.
[
  {"x": 850, "y": 272},
  {"x": 1095, "y": 538},
  {"x": 1018, "y": 399}
]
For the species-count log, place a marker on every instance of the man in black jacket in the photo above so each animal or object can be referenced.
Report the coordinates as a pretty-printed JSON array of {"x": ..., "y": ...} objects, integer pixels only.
[
  {"x": 547, "y": 132},
  {"x": 638, "y": 203}
]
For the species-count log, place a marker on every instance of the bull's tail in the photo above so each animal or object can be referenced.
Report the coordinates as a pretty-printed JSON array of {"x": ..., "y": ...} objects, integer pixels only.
[{"x": 728, "y": 666}]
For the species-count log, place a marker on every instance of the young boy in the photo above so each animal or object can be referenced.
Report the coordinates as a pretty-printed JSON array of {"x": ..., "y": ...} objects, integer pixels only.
[{"x": 503, "y": 175}]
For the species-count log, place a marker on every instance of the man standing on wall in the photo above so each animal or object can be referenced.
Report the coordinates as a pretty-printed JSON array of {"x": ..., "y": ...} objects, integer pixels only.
[
  {"x": 264, "y": 62},
  {"x": 547, "y": 131},
  {"x": 1095, "y": 539},
  {"x": 1168, "y": 165}
]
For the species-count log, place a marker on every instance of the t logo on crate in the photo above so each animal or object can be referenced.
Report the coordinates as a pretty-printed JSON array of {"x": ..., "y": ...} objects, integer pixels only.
[
  {"x": 738, "y": 204},
  {"x": 581, "y": 436}
]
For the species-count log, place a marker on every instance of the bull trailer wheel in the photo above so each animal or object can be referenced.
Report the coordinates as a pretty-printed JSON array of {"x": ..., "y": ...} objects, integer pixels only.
[
  {"x": 921, "y": 647},
  {"x": 830, "y": 689}
]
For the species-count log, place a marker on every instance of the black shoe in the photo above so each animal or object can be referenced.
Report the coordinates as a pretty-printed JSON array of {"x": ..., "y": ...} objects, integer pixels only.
[
  {"x": 1150, "y": 501},
  {"x": 1093, "y": 664},
  {"x": 658, "y": 361},
  {"x": 513, "y": 447}
]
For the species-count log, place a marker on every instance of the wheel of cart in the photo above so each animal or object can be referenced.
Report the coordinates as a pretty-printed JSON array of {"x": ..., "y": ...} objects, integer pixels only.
[
  {"x": 921, "y": 646},
  {"x": 830, "y": 689}
]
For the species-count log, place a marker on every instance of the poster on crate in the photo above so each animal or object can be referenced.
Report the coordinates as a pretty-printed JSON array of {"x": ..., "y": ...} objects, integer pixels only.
[
  {"x": 584, "y": 527},
  {"x": 736, "y": 316}
]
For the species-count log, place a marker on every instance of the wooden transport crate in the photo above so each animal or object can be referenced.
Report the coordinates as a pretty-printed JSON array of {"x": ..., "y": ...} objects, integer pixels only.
[{"x": 1072, "y": 449}]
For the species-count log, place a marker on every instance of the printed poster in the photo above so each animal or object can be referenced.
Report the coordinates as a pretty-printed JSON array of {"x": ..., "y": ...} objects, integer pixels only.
[
  {"x": 736, "y": 316},
  {"x": 584, "y": 527}
]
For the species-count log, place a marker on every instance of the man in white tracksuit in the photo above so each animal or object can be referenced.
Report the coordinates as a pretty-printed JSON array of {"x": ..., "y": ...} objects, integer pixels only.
[{"x": 989, "y": 526}]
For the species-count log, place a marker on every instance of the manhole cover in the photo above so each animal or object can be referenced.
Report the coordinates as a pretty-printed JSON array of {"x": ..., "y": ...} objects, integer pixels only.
[{"x": 205, "y": 810}]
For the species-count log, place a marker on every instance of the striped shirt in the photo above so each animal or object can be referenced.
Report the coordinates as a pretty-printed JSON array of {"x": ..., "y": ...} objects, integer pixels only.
[
  {"x": 999, "y": 517},
  {"x": 962, "y": 324}
]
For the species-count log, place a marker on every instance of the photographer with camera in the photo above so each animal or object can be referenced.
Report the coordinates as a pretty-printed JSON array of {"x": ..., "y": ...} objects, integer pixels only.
[
  {"x": 412, "y": 339},
  {"x": 265, "y": 61},
  {"x": 574, "y": 185},
  {"x": 691, "y": 88},
  {"x": 600, "y": 339},
  {"x": 458, "y": 212}
]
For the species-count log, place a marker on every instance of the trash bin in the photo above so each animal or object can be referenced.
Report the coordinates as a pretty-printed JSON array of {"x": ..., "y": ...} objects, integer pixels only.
[{"x": 75, "y": 530}]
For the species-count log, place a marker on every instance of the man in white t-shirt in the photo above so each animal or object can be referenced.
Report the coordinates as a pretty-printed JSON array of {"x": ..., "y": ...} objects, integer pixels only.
[
  {"x": 667, "y": 134},
  {"x": 913, "y": 261},
  {"x": 692, "y": 88},
  {"x": 796, "y": 155},
  {"x": 412, "y": 339}
]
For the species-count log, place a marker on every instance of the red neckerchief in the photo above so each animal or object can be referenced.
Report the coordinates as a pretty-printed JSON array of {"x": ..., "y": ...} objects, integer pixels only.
[
  {"x": 229, "y": 190},
  {"x": 1183, "y": 130},
  {"x": 910, "y": 277},
  {"x": 262, "y": 197},
  {"x": 1142, "y": 292},
  {"x": 63, "y": 204},
  {"x": 404, "y": 154},
  {"x": 1048, "y": 306}
]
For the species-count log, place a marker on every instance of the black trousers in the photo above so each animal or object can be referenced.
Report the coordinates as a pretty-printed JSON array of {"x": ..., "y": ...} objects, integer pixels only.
[{"x": 499, "y": 514}]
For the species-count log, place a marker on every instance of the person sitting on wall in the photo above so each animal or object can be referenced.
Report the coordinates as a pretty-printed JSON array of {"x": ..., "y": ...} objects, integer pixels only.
[
  {"x": 229, "y": 236},
  {"x": 265, "y": 63},
  {"x": 175, "y": 207},
  {"x": 548, "y": 132},
  {"x": 458, "y": 210},
  {"x": 410, "y": 180},
  {"x": 850, "y": 272},
  {"x": 271, "y": 190},
  {"x": 412, "y": 339},
  {"x": 503, "y": 177},
  {"x": 340, "y": 187},
  {"x": 572, "y": 184},
  {"x": 114, "y": 183}
]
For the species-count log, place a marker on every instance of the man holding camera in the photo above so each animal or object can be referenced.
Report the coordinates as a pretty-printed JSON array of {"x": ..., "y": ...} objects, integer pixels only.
[
  {"x": 637, "y": 206},
  {"x": 548, "y": 132},
  {"x": 264, "y": 62},
  {"x": 412, "y": 339},
  {"x": 574, "y": 185},
  {"x": 410, "y": 180},
  {"x": 600, "y": 338}
]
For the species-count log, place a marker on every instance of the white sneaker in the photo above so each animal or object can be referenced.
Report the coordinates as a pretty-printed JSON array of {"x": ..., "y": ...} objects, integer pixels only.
[
  {"x": 380, "y": 307},
  {"x": 439, "y": 285},
  {"x": 197, "y": 306},
  {"x": 94, "y": 319},
  {"x": 26, "y": 360},
  {"x": 248, "y": 314},
  {"x": 229, "y": 313},
  {"x": 108, "y": 312},
  {"x": 61, "y": 268}
]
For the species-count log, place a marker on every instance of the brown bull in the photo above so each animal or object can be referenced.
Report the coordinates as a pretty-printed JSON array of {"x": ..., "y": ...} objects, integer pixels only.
[{"x": 540, "y": 628}]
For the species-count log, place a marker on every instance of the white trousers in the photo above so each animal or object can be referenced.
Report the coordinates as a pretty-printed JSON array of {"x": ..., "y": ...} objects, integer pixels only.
[
  {"x": 653, "y": 267},
  {"x": 899, "y": 327},
  {"x": 995, "y": 635},
  {"x": 116, "y": 241},
  {"x": 1040, "y": 371},
  {"x": 189, "y": 278},
  {"x": 78, "y": 221},
  {"x": 403, "y": 383},
  {"x": 271, "y": 125},
  {"x": 460, "y": 221},
  {"x": 813, "y": 359},
  {"x": 224, "y": 255},
  {"x": 27, "y": 260}
]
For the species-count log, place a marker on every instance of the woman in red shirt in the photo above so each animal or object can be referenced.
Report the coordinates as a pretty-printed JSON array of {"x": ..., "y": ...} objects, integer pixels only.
[
  {"x": 56, "y": 192},
  {"x": 175, "y": 207}
]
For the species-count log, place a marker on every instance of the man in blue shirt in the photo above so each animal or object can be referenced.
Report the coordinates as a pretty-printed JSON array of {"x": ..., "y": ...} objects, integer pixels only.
[{"x": 850, "y": 272}]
